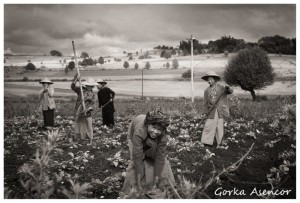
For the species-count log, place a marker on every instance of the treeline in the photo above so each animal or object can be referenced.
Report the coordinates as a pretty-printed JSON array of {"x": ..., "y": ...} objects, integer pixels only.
[{"x": 271, "y": 44}]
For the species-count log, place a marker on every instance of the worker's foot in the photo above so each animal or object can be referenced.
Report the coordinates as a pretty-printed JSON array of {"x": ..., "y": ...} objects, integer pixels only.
[{"x": 218, "y": 146}]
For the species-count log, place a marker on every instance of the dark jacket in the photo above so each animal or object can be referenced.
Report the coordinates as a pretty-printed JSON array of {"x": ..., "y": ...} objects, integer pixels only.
[
  {"x": 104, "y": 95},
  {"x": 146, "y": 147},
  {"x": 222, "y": 106}
]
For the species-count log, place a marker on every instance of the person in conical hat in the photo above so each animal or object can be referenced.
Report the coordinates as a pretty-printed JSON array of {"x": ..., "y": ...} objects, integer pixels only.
[
  {"x": 214, "y": 127},
  {"x": 83, "y": 118},
  {"x": 47, "y": 103},
  {"x": 106, "y": 102}
]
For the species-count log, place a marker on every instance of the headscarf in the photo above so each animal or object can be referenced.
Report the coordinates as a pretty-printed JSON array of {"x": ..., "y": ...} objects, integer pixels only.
[{"x": 157, "y": 117}]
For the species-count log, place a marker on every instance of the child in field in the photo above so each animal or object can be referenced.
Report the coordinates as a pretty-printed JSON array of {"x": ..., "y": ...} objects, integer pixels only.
[
  {"x": 83, "y": 118},
  {"x": 47, "y": 105},
  {"x": 214, "y": 127}
]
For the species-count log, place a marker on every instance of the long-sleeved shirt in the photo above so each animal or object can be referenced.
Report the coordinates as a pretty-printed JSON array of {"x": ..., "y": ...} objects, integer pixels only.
[
  {"x": 211, "y": 94},
  {"x": 46, "y": 98},
  {"x": 143, "y": 146},
  {"x": 89, "y": 97},
  {"x": 104, "y": 95}
]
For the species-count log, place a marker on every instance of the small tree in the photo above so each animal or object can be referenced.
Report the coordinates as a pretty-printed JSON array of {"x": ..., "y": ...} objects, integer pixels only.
[
  {"x": 66, "y": 69},
  {"x": 65, "y": 60},
  {"x": 84, "y": 55},
  {"x": 30, "y": 66},
  {"x": 162, "y": 54},
  {"x": 147, "y": 65},
  {"x": 175, "y": 64},
  {"x": 173, "y": 52},
  {"x": 168, "y": 65},
  {"x": 250, "y": 69},
  {"x": 126, "y": 65},
  {"x": 101, "y": 60},
  {"x": 136, "y": 66},
  {"x": 29, "y": 61},
  {"x": 137, "y": 53},
  {"x": 71, "y": 65},
  {"x": 130, "y": 58}
]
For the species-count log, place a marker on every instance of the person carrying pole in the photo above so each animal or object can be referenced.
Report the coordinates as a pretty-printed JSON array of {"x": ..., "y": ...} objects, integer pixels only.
[
  {"x": 84, "y": 105},
  {"x": 215, "y": 106}
]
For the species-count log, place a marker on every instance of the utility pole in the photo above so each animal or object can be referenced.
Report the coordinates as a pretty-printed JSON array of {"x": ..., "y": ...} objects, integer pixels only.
[
  {"x": 192, "y": 68},
  {"x": 142, "y": 83}
]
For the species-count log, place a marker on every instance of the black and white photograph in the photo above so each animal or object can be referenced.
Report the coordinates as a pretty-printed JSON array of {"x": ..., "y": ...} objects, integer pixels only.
[{"x": 149, "y": 100}]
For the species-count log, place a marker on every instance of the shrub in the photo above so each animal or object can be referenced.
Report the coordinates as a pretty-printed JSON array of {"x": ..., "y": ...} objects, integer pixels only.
[
  {"x": 168, "y": 65},
  {"x": 126, "y": 65},
  {"x": 66, "y": 69},
  {"x": 65, "y": 60},
  {"x": 29, "y": 61},
  {"x": 30, "y": 66},
  {"x": 71, "y": 65},
  {"x": 136, "y": 66},
  {"x": 250, "y": 69},
  {"x": 147, "y": 65},
  {"x": 175, "y": 64},
  {"x": 25, "y": 78},
  {"x": 141, "y": 57},
  {"x": 187, "y": 74},
  {"x": 130, "y": 58}
]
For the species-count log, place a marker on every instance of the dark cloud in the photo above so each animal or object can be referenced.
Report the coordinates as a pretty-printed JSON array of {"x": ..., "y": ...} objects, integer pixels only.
[{"x": 118, "y": 27}]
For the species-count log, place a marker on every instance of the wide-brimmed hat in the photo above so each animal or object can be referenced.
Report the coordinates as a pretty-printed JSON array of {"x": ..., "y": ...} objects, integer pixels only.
[
  {"x": 46, "y": 80},
  {"x": 101, "y": 81},
  {"x": 211, "y": 74},
  {"x": 89, "y": 82}
]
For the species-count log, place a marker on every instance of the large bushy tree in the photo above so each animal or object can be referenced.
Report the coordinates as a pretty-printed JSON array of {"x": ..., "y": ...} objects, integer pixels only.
[{"x": 250, "y": 69}]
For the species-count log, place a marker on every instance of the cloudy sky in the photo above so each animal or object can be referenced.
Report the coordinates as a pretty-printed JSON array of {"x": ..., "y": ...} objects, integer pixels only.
[{"x": 108, "y": 29}]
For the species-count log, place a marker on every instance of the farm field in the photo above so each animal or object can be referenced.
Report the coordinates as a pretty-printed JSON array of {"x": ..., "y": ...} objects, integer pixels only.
[
  {"x": 269, "y": 125},
  {"x": 99, "y": 169}
]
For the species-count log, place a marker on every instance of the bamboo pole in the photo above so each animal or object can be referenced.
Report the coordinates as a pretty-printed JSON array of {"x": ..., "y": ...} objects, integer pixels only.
[{"x": 80, "y": 85}]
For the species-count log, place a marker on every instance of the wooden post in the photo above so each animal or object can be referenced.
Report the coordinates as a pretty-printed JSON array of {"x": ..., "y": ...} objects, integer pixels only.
[
  {"x": 142, "y": 83},
  {"x": 192, "y": 68}
]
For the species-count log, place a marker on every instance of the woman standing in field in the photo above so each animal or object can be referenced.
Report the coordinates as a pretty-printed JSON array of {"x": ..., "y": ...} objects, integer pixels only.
[
  {"x": 214, "y": 127},
  {"x": 147, "y": 141},
  {"x": 83, "y": 117},
  {"x": 106, "y": 102},
  {"x": 47, "y": 102}
]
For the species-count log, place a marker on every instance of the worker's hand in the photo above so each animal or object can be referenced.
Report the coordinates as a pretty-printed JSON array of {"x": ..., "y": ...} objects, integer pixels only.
[{"x": 111, "y": 100}]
